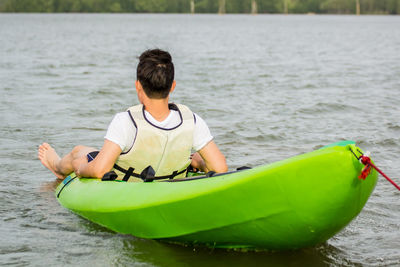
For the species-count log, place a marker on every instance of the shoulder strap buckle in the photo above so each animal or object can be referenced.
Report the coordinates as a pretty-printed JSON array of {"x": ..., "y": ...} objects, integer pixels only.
[
  {"x": 109, "y": 176},
  {"x": 148, "y": 174}
]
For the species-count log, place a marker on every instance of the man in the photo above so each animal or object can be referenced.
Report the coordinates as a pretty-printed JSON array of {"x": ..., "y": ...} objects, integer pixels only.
[{"x": 153, "y": 139}]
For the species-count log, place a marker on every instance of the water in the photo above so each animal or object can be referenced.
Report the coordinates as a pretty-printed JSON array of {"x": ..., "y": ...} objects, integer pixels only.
[{"x": 269, "y": 86}]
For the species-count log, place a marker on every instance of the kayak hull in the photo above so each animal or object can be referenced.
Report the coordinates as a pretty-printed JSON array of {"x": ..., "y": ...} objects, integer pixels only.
[{"x": 295, "y": 203}]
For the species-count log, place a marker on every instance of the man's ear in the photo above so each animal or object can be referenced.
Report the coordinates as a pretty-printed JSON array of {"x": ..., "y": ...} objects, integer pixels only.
[
  {"x": 172, "y": 87},
  {"x": 138, "y": 86},
  {"x": 139, "y": 91}
]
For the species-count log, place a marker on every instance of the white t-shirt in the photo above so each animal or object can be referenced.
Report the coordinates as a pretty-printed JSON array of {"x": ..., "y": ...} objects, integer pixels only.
[{"x": 122, "y": 131}]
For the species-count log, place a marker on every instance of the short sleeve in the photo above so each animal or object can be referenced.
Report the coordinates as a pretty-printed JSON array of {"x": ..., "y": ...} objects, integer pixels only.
[
  {"x": 121, "y": 131},
  {"x": 201, "y": 134}
]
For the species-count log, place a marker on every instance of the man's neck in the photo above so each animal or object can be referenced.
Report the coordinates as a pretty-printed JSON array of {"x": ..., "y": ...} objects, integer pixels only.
[{"x": 158, "y": 108}]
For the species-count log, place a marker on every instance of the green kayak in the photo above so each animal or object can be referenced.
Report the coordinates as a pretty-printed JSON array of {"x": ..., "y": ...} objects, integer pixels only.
[{"x": 298, "y": 202}]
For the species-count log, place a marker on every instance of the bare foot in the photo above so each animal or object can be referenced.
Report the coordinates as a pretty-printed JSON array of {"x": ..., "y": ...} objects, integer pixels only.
[{"x": 49, "y": 159}]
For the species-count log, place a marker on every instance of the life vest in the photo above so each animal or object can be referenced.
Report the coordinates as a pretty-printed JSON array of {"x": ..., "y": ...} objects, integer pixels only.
[{"x": 157, "y": 153}]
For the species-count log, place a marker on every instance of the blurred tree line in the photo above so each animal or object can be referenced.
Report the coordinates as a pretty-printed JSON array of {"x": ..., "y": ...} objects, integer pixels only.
[{"x": 205, "y": 6}]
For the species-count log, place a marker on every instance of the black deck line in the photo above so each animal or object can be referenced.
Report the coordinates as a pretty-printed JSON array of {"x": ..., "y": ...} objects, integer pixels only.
[{"x": 199, "y": 177}]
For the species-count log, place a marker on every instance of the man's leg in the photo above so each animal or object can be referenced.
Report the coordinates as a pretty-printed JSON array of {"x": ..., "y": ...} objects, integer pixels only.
[{"x": 61, "y": 167}]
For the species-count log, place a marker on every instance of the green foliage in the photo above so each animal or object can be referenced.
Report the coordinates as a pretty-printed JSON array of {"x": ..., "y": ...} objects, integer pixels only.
[
  {"x": 201, "y": 6},
  {"x": 338, "y": 6},
  {"x": 306, "y": 6},
  {"x": 206, "y": 6},
  {"x": 270, "y": 6}
]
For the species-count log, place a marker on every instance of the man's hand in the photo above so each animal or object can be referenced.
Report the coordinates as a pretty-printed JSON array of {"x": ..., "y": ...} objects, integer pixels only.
[{"x": 211, "y": 159}]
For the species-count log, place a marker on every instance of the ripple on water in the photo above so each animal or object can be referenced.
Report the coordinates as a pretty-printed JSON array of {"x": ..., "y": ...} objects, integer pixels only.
[
  {"x": 387, "y": 142},
  {"x": 327, "y": 108},
  {"x": 393, "y": 126}
]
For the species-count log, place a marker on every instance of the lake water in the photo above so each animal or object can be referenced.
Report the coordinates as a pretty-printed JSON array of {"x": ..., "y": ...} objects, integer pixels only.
[{"x": 269, "y": 86}]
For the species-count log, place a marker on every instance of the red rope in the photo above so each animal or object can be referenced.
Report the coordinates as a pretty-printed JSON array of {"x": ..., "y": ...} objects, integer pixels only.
[{"x": 368, "y": 164}]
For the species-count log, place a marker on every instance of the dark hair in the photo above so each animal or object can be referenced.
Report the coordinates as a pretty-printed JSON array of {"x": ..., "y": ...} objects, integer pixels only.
[{"x": 155, "y": 72}]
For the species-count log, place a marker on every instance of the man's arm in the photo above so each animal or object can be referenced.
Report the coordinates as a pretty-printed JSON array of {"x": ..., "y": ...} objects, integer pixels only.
[
  {"x": 210, "y": 158},
  {"x": 102, "y": 164}
]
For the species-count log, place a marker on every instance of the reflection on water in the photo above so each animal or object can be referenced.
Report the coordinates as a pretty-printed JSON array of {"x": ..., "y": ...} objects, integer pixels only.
[
  {"x": 127, "y": 249},
  {"x": 49, "y": 186}
]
